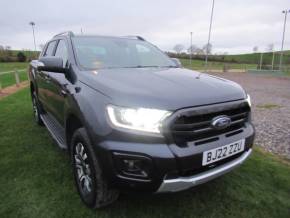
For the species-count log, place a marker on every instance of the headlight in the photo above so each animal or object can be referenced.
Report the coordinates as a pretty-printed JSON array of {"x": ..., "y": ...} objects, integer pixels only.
[
  {"x": 249, "y": 100},
  {"x": 142, "y": 119}
]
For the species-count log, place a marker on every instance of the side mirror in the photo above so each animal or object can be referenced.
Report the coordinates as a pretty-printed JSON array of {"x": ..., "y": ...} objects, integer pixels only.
[
  {"x": 51, "y": 64},
  {"x": 177, "y": 62}
]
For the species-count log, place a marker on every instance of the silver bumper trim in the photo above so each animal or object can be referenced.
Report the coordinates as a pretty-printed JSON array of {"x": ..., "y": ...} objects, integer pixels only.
[{"x": 182, "y": 183}]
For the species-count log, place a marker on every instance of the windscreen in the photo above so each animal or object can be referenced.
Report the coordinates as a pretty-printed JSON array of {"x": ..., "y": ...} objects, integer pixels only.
[{"x": 110, "y": 52}]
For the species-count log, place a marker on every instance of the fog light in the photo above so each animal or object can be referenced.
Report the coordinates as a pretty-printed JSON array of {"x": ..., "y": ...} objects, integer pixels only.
[{"x": 133, "y": 165}]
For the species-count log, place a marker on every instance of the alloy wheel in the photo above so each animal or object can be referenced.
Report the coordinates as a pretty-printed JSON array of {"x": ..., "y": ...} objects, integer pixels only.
[
  {"x": 83, "y": 169},
  {"x": 35, "y": 109}
]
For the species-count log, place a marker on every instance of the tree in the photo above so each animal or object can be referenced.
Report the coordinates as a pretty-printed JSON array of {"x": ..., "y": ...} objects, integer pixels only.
[
  {"x": 255, "y": 49},
  {"x": 199, "y": 51},
  {"x": 8, "y": 51},
  {"x": 178, "y": 48},
  {"x": 192, "y": 49},
  {"x": 21, "y": 57},
  {"x": 5, "y": 53},
  {"x": 207, "y": 48},
  {"x": 41, "y": 46}
]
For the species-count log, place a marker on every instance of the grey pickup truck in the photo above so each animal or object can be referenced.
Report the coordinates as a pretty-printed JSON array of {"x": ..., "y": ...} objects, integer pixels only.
[{"x": 132, "y": 119}]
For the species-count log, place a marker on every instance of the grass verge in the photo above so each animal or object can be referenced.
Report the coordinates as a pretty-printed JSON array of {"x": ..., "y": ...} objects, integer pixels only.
[
  {"x": 36, "y": 180},
  {"x": 268, "y": 106}
]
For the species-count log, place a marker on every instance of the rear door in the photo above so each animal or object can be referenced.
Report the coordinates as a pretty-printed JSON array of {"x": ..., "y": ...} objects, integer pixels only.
[{"x": 42, "y": 77}]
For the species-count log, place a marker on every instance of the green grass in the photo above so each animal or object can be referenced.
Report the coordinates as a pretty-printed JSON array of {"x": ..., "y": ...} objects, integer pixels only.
[
  {"x": 36, "y": 180},
  {"x": 9, "y": 79},
  {"x": 4, "y": 67},
  {"x": 239, "y": 61},
  {"x": 199, "y": 65},
  {"x": 268, "y": 106},
  {"x": 254, "y": 58}
]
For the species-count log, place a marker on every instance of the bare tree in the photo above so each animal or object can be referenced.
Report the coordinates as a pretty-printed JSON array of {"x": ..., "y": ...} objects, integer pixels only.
[
  {"x": 207, "y": 48},
  {"x": 199, "y": 51},
  {"x": 41, "y": 46},
  {"x": 8, "y": 51},
  {"x": 255, "y": 49},
  {"x": 5, "y": 53},
  {"x": 178, "y": 48},
  {"x": 192, "y": 49}
]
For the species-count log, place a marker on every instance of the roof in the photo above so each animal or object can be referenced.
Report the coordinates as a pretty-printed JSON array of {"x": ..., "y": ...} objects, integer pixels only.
[{"x": 71, "y": 34}]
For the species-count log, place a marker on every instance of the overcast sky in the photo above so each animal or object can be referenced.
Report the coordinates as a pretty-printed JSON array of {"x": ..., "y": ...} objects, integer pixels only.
[{"x": 238, "y": 25}]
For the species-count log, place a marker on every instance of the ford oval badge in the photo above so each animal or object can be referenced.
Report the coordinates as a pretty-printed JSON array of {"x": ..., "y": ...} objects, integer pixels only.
[{"x": 221, "y": 122}]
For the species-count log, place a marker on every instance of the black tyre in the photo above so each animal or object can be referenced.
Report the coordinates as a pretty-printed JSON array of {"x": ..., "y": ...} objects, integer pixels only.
[
  {"x": 36, "y": 109},
  {"x": 90, "y": 182}
]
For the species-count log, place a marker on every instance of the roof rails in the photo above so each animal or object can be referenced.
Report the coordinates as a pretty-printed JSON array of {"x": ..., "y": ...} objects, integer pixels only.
[
  {"x": 135, "y": 37},
  {"x": 67, "y": 33}
]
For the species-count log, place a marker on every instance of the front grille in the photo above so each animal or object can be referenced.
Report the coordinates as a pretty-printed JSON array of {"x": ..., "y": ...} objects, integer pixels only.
[{"x": 194, "y": 125}]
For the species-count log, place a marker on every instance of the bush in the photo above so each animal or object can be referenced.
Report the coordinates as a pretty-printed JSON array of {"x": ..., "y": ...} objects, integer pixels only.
[{"x": 21, "y": 57}]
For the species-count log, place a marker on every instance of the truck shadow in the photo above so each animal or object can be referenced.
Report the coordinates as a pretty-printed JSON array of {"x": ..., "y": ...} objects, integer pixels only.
[{"x": 205, "y": 200}]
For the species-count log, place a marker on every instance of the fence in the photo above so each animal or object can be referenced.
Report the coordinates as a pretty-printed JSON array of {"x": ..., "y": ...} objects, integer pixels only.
[
  {"x": 235, "y": 67},
  {"x": 14, "y": 77},
  {"x": 222, "y": 67}
]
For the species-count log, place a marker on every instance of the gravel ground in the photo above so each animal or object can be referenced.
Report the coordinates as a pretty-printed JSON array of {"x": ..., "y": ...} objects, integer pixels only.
[{"x": 271, "y": 109}]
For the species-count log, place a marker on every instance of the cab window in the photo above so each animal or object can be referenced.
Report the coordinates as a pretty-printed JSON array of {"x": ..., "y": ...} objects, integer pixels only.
[
  {"x": 50, "y": 49},
  {"x": 61, "y": 52}
]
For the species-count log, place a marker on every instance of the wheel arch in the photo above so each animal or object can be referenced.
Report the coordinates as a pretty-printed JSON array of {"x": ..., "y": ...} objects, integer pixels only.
[
  {"x": 72, "y": 123},
  {"x": 32, "y": 87}
]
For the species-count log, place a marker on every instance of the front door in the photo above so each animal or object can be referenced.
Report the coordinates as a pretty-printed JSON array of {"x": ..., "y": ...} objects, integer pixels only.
[
  {"x": 42, "y": 78},
  {"x": 58, "y": 85}
]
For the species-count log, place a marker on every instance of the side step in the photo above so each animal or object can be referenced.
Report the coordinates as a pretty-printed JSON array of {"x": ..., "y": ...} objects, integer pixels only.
[{"x": 55, "y": 129}]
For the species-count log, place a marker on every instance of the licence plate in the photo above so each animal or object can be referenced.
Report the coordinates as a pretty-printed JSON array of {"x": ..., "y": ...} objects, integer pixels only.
[{"x": 222, "y": 152}]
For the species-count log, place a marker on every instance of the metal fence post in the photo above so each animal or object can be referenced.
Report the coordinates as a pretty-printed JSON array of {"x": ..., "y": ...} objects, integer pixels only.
[
  {"x": 27, "y": 73},
  {"x": 17, "y": 80}
]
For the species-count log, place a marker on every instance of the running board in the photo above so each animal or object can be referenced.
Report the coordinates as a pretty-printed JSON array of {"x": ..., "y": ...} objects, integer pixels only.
[{"x": 55, "y": 129}]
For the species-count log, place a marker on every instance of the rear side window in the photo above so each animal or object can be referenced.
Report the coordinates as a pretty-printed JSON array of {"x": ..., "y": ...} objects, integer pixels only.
[
  {"x": 50, "y": 48},
  {"x": 61, "y": 52}
]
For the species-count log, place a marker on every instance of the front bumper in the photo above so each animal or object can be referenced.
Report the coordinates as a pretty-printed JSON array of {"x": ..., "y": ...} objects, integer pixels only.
[
  {"x": 174, "y": 162},
  {"x": 182, "y": 183},
  {"x": 170, "y": 168}
]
